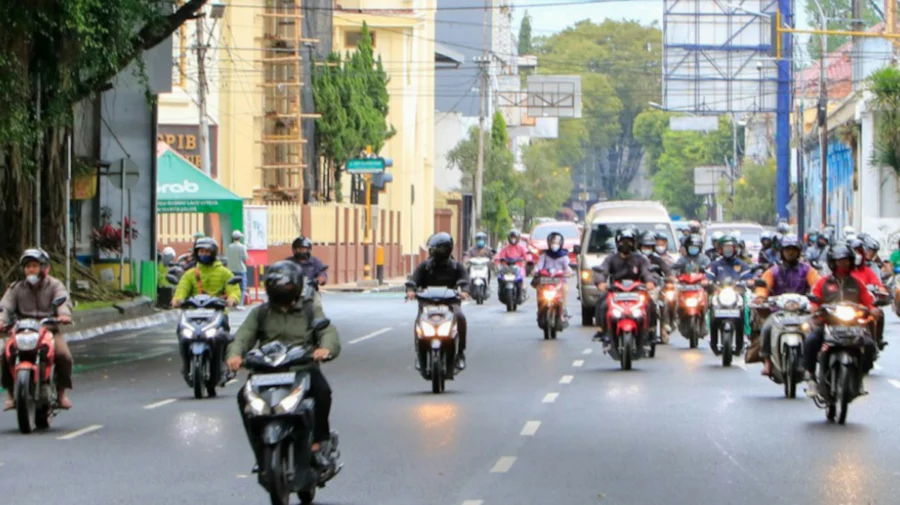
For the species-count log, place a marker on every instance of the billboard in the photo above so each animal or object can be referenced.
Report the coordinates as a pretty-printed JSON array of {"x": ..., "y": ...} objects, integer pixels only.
[
  {"x": 185, "y": 139},
  {"x": 716, "y": 56}
]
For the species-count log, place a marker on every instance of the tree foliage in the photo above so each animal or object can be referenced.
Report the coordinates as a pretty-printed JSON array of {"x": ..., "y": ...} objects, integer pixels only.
[
  {"x": 545, "y": 186},
  {"x": 839, "y": 14},
  {"x": 525, "y": 44},
  {"x": 619, "y": 66},
  {"x": 74, "y": 48},
  {"x": 885, "y": 86},
  {"x": 351, "y": 95},
  {"x": 673, "y": 155},
  {"x": 753, "y": 198}
]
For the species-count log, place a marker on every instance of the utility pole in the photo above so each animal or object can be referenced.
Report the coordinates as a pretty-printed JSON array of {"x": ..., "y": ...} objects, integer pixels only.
[
  {"x": 39, "y": 150},
  {"x": 823, "y": 116},
  {"x": 204, "y": 122},
  {"x": 483, "y": 69},
  {"x": 801, "y": 190}
]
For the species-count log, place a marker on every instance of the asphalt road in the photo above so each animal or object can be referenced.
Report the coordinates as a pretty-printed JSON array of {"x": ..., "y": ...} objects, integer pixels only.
[{"x": 529, "y": 422}]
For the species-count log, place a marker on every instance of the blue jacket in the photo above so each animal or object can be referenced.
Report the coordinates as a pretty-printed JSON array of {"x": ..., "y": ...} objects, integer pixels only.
[{"x": 723, "y": 268}]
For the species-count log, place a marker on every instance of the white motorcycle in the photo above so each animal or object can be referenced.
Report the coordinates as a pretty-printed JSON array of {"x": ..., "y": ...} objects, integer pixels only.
[
  {"x": 789, "y": 329},
  {"x": 479, "y": 279}
]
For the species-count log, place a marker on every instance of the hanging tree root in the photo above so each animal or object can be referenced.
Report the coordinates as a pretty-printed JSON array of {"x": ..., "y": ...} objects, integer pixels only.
[{"x": 97, "y": 292}]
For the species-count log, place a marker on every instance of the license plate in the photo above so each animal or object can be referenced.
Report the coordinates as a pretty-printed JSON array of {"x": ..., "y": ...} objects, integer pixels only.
[
  {"x": 201, "y": 314},
  {"x": 509, "y": 277},
  {"x": 545, "y": 280},
  {"x": 273, "y": 379},
  {"x": 728, "y": 313},
  {"x": 626, "y": 297}
]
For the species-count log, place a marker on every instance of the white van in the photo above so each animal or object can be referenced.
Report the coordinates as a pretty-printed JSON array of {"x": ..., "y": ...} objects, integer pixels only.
[{"x": 601, "y": 224}]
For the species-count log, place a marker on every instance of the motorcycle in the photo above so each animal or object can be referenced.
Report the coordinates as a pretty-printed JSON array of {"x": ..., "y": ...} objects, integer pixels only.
[
  {"x": 280, "y": 410},
  {"x": 479, "y": 278},
  {"x": 436, "y": 336},
  {"x": 840, "y": 372},
  {"x": 511, "y": 292},
  {"x": 691, "y": 306},
  {"x": 666, "y": 305},
  {"x": 727, "y": 318},
  {"x": 627, "y": 314},
  {"x": 789, "y": 329},
  {"x": 29, "y": 353},
  {"x": 551, "y": 308}
]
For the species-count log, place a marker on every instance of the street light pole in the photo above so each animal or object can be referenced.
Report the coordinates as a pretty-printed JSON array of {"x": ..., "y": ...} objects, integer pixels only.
[
  {"x": 479, "y": 168},
  {"x": 823, "y": 114},
  {"x": 201, "y": 77}
]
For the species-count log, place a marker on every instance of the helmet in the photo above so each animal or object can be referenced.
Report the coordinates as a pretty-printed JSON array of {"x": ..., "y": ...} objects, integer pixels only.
[
  {"x": 662, "y": 236},
  {"x": 237, "y": 235},
  {"x": 206, "y": 243},
  {"x": 694, "y": 241},
  {"x": 648, "y": 238},
  {"x": 694, "y": 226},
  {"x": 481, "y": 235},
  {"x": 35, "y": 254},
  {"x": 513, "y": 234},
  {"x": 301, "y": 242},
  {"x": 790, "y": 241},
  {"x": 717, "y": 236},
  {"x": 284, "y": 283},
  {"x": 727, "y": 240},
  {"x": 838, "y": 252},
  {"x": 849, "y": 230},
  {"x": 168, "y": 255},
  {"x": 552, "y": 240},
  {"x": 871, "y": 243},
  {"x": 783, "y": 228},
  {"x": 440, "y": 245},
  {"x": 627, "y": 233}
]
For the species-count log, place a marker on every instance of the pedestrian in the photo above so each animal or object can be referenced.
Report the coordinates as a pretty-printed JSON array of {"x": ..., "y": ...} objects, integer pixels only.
[{"x": 237, "y": 262}]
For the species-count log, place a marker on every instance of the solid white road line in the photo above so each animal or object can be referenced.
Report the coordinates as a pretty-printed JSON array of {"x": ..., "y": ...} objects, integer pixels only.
[
  {"x": 530, "y": 428},
  {"x": 82, "y": 431},
  {"x": 503, "y": 464},
  {"x": 587, "y": 351},
  {"x": 160, "y": 403},
  {"x": 473, "y": 502},
  {"x": 550, "y": 397},
  {"x": 578, "y": 363},
  {"x": 566, "y": 379},
  {"x": 895, "y": 383},
  {"x": 370, "y": 335}
]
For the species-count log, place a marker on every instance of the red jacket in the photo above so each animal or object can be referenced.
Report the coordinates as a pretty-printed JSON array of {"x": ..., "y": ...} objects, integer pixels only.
[
  {"x": 842, "y": 289},
  {"x": 866, "y": 276}
]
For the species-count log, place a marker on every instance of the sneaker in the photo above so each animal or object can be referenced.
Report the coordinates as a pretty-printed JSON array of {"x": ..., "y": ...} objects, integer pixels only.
[
  {"x": 255, "y": 469},
  {"x": 461, "y": 361},
  {"x": 417, "y": 364},
  {"x": 812, "y": 389}
]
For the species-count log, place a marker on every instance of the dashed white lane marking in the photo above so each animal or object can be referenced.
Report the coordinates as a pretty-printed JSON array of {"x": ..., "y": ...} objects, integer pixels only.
[
  {"x": 566, "y": 379},
  {"x": 82, "y": 431},
  {"x": 503, "y": 464},
  {"x": 876, "y": 366},
  {"x": 473, "y": 502},
  {"x": 740, "y": 364},
  {"x": 160, "y": 403},
  {"x": 550, "y": 397},
  {"x": 587, "y": 351},
  {"x": 232, "y": 381},
  {"x": 578, "y": 362},
  {"x": 530, "y": 428},
  {"x": 370, "y": 335},
  {"x": 895, "y": 383}
]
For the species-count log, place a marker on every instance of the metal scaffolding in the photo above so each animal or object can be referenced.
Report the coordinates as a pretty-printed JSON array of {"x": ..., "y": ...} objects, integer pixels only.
[{"x": 282, "y": 141}]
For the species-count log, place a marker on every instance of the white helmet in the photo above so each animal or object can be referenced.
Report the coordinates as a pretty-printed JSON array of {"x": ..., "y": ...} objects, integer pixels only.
[
  {"x": 237, "y": 235},
  {"x": 849, "y": 232},
  {"x": 168, "y": 254}
]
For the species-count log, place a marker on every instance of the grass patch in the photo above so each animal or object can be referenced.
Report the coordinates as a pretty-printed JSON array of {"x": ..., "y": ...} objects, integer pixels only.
[{"x": 100, "y": 304}]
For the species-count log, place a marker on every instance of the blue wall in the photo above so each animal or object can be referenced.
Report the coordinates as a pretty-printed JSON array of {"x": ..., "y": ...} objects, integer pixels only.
[{"x": 839, "y": 196}]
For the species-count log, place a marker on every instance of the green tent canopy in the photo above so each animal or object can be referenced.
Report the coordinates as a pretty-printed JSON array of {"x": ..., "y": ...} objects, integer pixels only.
[{"x": 183, "y": 188}]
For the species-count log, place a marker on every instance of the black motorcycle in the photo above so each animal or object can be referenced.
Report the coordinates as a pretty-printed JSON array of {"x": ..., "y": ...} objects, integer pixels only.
[
  {"x": 280, "y": 410},
  {"x": 436, "y": 336},
  {"x": 512, "y": 291}
]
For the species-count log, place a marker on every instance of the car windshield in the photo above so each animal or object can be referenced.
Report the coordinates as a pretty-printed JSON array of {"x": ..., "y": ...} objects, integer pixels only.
[
  {"x": 603, "y": 235},
  {"x": 567, "y": 231},
  {"x": 749, "y": 234}
]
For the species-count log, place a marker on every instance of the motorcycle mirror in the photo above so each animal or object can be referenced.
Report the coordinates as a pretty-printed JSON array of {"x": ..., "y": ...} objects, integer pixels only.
[
  {"x": 813, "y": 298},
  {"x": 321, "y": 324},
  {"x": 172, "y": 278},
  {"x": 576, "y": 249},
  {"x": 324, "y": 267},
  {"x": 234, "y": 280},
  {"x": 58, "y": 302}
]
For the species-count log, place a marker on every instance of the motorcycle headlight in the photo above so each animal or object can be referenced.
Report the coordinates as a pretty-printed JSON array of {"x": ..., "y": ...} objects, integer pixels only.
[
  {"x": 586, "y": 275},
  {"x": 691, "y": 302},
  {"x": 27, "y": 341},
  {"x": 187, "y": 333},
  {"x": 257, "y": 405},
  {"x": 425, "y": 330},
  {"x": 509, "y": 277},
  {"x": 290, "y": 402},
  {"x": 636, "y": 313},
  {"x": 728, "y": 297},
  {"x": 617, "y": 313},
  {"x": 845, "y": 313},
  {"x": 670, "y": 295},
  {"x": 444, "y": 329},
  {"x": 210, "y": 333},
  {"x": 548, "y": 294}
]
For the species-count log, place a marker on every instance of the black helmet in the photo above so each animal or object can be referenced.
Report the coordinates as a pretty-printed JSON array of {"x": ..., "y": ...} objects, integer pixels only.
[
  {"x": 626, "y": 233},
  {"x": 553, "y": 235},
  {"x": 35, "y": 254},
  {"x": 765, "y": 235},
  {"x": 694, "y": 226},
  {"x": 648, "y": 238},
  {"x": 440, "y": 246},
  {"x": 514, "y": 233},
  {"x": 206, "y": 243},
  {"x": 301, "y": 242},
  {"x": 694, "y": 240},
  {"x": 838, "y": 252},
  {"x": 284, "y": 283}
]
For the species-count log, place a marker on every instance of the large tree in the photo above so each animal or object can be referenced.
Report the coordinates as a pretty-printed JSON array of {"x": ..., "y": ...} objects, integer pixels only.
[
  {"x": 544, "y": 185},
  {"x": 74, "y": 48},
  {"x": 525, "y": 43},
  {"x": 619, "y": 65},
  {"x": 753, "y": 198}
]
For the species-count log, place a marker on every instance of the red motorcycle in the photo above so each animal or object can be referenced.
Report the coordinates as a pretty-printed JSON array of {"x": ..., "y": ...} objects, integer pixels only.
[
  {"x": 29, "y": 353},
  {"x": 692, "y": 304},
  {"x": 551, "y": 306},
  {"x": 627, "y": 316}
]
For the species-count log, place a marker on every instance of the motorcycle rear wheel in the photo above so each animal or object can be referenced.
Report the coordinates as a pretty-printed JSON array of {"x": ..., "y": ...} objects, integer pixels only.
[{"x": 25, "y": 407}]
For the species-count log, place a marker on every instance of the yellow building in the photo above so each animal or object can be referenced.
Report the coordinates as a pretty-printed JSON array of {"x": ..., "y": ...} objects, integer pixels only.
[{"x": 404, "y": 38}]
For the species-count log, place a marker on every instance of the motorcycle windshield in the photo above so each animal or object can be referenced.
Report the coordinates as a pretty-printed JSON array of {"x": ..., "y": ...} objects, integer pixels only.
[
  {"x": 204, "y": 301},
  {"x": 276, "y": 356},
  {"x": 437, "y": 295}
]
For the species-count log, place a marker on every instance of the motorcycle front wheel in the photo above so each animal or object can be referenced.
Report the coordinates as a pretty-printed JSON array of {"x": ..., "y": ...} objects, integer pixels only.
[
  {"x": 727, "y": 339},
  {"x": 789, "y": 359},
  {"x": 279, "y": 490},
  {"x": 197, "y": 376},
  {"x": 844, "y": 393},
  {"x": 627, "y": 346},
  {"x": 25, "y": 407},
  {"x": 437, "y": 372}
]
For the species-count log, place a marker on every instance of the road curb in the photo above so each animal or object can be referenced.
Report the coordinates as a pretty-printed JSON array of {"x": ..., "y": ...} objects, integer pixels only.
[{"x": 138, "y": 323}]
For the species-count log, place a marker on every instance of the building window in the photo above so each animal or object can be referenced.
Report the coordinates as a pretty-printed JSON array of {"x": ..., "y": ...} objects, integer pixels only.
[{"x": 351, "y": 39}]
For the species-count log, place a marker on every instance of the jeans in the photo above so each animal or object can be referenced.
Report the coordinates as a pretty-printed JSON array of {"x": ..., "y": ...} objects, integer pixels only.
[
  {"x": 814, "y": 344},
  {"x": 243, "y": 276},
  {"x": 319, "y": 390},
  {"x": 62, "y": 363}
]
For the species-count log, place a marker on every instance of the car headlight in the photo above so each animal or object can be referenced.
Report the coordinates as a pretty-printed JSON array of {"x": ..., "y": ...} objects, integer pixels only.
[
  {"x": 845, "y": 313},
  {"x": 727, "y": 297},
  {"x": 27, "y": 341},
  {"x": 187, "y": 333}
]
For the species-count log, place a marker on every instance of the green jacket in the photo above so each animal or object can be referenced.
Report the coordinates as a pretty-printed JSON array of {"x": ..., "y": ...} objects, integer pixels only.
[
  {"x": 895, "y": 258},
  {"x": 291, "y": 327},
  {"x": 213, "y": 279}
]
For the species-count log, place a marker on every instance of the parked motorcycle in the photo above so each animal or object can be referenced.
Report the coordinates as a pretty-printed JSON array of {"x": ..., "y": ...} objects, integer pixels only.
[
  {"x": 29, "y": 353},
  {"x": 280, "y": 410},
  {"x": 691, "y": 306},
  {"x": 479, "y": 278},
  {"x": 512, "y": 286},
  {"x": 790, "y": 325},
  {"x": 627, "y": 316},
  {"x": 551, "y": 306},
  {"x": 840, "y": 358},
  {"x": 437, "y": 337},
  {"x": 727, "y": 318}
]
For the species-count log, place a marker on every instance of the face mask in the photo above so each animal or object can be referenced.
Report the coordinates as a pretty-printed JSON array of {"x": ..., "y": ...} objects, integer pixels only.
[
  {"x": 302, "y": 256},
  {"x": 513, "y": 241},
  {"x": 728, "y": 253},
  {"x": 661, "y": 249},
  {"x": 33, "y": 279},
  {"x": 693, "y": 250},
  {"x": 858, "y": 259},
  {"x": 479, "y": 243},
  {"x": 842, "y": 270},
  {"x": 647, "y": 251},
  {"x": 205, "y": 259},
  {"x": 554, "y": 247}
]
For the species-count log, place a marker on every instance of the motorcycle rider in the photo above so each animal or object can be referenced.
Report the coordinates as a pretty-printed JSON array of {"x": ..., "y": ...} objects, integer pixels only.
[
  {"x": 872, "y": 245},
  {"x": 713, "y": 251},
  {"x": 513, "y": 250},
  {"x": 839, "y": 285},
  {"x": 693, "y": 257},
  {"x": 312, "y": 267},
  {"x": 32, "y": 299},
  {"x": 849, "y": 232},
  {"x": 289, "y": 319},
  {"x": 442, "y": 270},
  {"x": 481, "y": 250},
  {"x": 817, "y": 250},
  {"x": 662, "y": 249},
  {"x": 865, "y": 275},
  {"x": 790, "y": 276},
  {"x": 623, "y": 265},
  {"x": 648, "y": 249},
  {"x": 767, "y": 255},
  {"x": 728, "y": 266},
  {"x": 208, "y": 277},
  {"x": 554, "y": 258}
]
